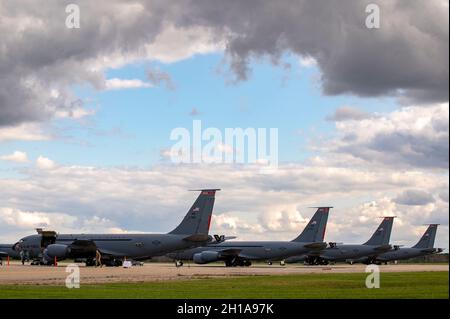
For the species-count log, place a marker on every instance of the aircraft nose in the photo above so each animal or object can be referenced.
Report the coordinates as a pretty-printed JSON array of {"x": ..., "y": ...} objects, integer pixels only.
[{"x": 17, "y": 246}]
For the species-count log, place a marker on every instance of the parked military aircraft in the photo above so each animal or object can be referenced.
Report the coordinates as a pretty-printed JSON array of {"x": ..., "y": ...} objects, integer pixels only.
[
  {"x": 377, "y": 244},
  {"x": 6, "y": 250},
  {"x": 242, "y": 253},
  {"x": 422, "y": 248},
  {"x": 47, "y": 246}
]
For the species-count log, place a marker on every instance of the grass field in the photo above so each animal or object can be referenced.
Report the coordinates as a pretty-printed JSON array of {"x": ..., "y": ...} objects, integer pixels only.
[{"x": 350, "y": 285}]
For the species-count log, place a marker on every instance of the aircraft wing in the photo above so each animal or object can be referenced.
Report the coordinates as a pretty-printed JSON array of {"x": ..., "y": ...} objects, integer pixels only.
[
  {"x": 429, "y": 250},
  {"x": 110, "y": 252},
  {"x": 383, "y": 248},
  {"x": 233, "y": 253},
  {"x": 315, "y": 253},
  {"x": 230, "y": 252},
  {"x": 89, "y": 245},
  {"x": 316, "y": 246},
  {"x": 197, "y": 238}
]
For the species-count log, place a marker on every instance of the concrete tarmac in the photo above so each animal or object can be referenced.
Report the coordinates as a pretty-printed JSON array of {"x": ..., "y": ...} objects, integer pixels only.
[{"x": 17, "y": 274}]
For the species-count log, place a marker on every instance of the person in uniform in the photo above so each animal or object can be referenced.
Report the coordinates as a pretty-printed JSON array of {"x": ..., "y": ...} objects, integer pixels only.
[
  {"x": 22, "y": 257},
  {"x": 98, "y": 259}
]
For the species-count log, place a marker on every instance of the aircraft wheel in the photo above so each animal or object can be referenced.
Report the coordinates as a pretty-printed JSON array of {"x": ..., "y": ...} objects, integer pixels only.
[{"x": 282, "y": 263}]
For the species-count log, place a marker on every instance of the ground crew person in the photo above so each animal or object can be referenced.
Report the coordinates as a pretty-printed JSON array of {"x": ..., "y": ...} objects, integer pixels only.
[{"x": 22, "y": 257}]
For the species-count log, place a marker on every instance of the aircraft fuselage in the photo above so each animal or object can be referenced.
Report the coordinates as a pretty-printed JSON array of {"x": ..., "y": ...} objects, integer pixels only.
[
  {"x": 137, "y": 246},
  {"x": 249, "y": 250}
]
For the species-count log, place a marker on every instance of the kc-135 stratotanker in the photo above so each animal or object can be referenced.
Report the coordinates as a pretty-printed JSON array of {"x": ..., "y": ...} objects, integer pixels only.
[{"x": 47, "y": 247}]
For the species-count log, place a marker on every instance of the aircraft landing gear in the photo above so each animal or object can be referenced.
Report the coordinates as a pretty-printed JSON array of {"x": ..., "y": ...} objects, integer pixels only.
[
  {"x": 178, "y": 263},
  {"x": 237, "y": 262},
  {"x": 90, "y": 262},
  {"x": 282, "y": 263}
]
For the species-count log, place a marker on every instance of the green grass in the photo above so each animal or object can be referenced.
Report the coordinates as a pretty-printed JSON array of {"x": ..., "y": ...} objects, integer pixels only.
[{"x": 350, "y": 285}]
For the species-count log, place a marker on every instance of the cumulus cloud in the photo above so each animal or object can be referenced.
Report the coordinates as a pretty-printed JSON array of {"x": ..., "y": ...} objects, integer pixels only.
[
  {"x": 232, "y": 225},
  {"x": 44, "y": 163},
  {"x": 33, "y": 219},
  {"x": 24, "y": 132},
  {"x": 158, "y": 77},
  {"x": 413, "y": 197},
  {"x": 444, "y": 196},
  {"x": 307, "y": 61},
  {"x": 406, "y": 57},
  {"x": 117, "y": 84},
  {"x": 410, "y": 136},
  {"x": 17, "y": 156},
  {"x": 282, "y": 219},
  {"x": 42, "y": 57},
  {"x": 251, "y": 206},
  {"x": 18, "y": 223},
  {"x": 346, "y": 113}
]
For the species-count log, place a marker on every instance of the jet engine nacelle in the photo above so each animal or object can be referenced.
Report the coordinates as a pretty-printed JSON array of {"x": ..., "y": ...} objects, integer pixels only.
[
  {"x": 206, "y": 257},
  {"x": 57, "y": 250}
]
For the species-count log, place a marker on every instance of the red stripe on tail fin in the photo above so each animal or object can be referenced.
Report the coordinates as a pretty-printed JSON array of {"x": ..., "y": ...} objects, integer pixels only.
[{"x": 209, "y": 222}]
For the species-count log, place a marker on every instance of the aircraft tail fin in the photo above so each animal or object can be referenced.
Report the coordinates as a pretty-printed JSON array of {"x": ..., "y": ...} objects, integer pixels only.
[
  {"x": 427, "y": 240},
  {"x": 383, "y": 233},
  {"x": 198, "y": 219},
  {"x": 315, "y": 230}
]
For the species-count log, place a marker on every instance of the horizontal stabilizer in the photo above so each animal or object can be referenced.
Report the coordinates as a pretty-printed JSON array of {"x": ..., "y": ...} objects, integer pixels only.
[
  {"x": 197, "y": 238},
  {"x": 428, "y": 250},
  {"x": 222, "y": 238}
]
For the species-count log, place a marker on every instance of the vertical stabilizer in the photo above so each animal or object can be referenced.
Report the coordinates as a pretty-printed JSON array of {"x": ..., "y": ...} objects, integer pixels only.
[
  {"x": 198, "y": 218},
  {"x": 383, "y": 233},
  {"x": 315, "y": 230},
  {"x": 427, "y": 240}
]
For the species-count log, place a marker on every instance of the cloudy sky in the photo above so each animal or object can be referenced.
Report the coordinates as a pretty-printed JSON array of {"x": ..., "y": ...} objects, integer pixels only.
[{"x": 362, "y": 115}]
